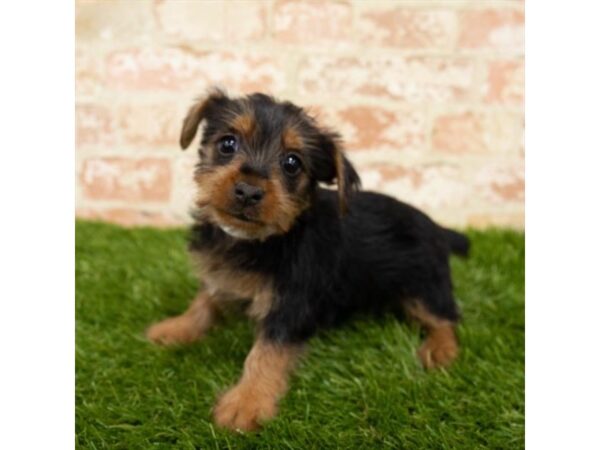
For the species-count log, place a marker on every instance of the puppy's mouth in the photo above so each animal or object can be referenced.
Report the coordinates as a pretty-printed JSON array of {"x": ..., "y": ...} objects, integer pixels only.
[
  {"x": 241, "y": 225},
  {"x": 241, "y": 216}
]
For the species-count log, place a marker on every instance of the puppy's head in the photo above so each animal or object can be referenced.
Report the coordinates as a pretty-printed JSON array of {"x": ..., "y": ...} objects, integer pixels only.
[{"x": 260, "y": 163}]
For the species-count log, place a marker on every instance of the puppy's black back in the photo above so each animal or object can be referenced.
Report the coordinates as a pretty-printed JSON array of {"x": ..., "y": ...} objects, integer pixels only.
[{"x": 398, "y": 253}]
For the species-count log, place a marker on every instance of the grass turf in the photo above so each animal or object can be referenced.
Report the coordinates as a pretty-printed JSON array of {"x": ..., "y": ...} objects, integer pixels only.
[{"x": 358, "y": 387}]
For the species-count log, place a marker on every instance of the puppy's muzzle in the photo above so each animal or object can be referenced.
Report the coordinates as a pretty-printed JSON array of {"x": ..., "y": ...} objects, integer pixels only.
[{"x": 247, "y": 194}]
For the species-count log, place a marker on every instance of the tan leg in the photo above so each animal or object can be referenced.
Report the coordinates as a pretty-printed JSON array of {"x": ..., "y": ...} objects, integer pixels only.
[
  {"x": 188, "y": 327},
  {"x": 440, "y": 347},
  {"x": 254, "y": 399}
]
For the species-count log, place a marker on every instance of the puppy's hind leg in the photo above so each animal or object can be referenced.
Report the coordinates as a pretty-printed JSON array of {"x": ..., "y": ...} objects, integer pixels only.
[
  {"x": 188, "y": 327},
  {"x": 440, "y": 347}
]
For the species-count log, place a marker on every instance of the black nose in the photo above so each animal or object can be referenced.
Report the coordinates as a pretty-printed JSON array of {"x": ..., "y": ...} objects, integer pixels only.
[{"x": 247, "y": 194}]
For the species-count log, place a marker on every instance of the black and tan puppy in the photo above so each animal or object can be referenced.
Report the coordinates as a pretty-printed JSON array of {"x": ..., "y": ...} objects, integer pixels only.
[{"x": 303, "y": 257}]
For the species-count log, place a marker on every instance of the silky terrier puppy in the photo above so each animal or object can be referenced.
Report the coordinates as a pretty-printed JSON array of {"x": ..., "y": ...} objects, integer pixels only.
[{"x": 301, "y": 257}]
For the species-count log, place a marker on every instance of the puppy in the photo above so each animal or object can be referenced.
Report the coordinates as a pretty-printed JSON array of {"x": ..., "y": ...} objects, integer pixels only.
[{"x": 303, "y": 258}]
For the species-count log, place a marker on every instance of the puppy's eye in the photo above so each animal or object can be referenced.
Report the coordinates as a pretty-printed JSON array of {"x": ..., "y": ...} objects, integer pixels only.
[
  {"x": 228, "y": 145},
  {"x": 291, "y": 164}
]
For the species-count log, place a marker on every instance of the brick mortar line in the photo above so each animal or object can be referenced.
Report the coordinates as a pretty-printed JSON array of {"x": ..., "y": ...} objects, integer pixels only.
[
  {"x": 112, "y": 99},
  {"x": 326, "y": 48},
  {"x": 455, "y": 5},
  {"x": 360, "y": 53},
  {"x": 496, "y": 209},
  {"x": 129, "y": 152},
  {"x": 429, "y": 123},
  {"x": 465, "y": 160},
  {"x": 106, "y": 204}
]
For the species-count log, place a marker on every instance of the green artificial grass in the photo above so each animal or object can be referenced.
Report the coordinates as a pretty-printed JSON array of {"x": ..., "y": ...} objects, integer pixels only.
[{"x": 360, "y": 386}]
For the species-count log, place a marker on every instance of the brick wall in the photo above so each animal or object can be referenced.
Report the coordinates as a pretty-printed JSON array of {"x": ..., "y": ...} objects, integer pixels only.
[{"x": 428, "y": 95}]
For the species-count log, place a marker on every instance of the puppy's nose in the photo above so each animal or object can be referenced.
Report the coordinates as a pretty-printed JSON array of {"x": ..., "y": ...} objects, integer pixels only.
[{"x": 247, "y": 194}]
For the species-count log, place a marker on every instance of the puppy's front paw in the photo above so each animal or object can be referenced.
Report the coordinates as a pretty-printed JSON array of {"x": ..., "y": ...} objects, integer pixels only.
[
  {"x": 242, "y": 408},
  {"x": 176, "y": 330},
  {"x": 438, "y": 351}
]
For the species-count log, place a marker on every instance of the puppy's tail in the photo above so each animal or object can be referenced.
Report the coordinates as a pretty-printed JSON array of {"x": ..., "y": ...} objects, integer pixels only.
[{"x": 458, "y": 242}]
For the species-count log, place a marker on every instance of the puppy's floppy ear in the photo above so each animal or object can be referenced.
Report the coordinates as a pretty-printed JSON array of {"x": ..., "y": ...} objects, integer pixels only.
[
  {"x": 195, "y": 115},
  {"x": 330, "y": 163}
]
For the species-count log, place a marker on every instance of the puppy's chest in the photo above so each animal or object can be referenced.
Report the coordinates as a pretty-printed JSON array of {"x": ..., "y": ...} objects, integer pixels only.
[{"x": 226, "y": 283}]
